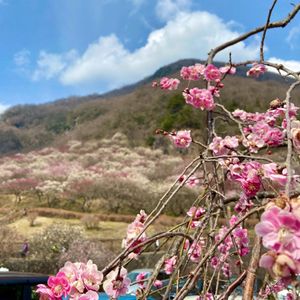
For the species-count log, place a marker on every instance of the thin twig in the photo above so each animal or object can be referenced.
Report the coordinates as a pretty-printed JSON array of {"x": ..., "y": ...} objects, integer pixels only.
[
  {"x": 265, "y": 31},
  {"x": 191, "y": 281}
]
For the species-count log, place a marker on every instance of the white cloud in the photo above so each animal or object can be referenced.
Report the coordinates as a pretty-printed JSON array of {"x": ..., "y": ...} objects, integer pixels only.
[
  {"x": 3, "y": 108},
  {"x": 186, "y": 36},
  {"x": 50, "y": 65},
  {"x": 168, "y": 9},
  {"x": 293, "y": 37},
  {"x": 293, "y": 65},
  {"x": 22, "y": 58}
]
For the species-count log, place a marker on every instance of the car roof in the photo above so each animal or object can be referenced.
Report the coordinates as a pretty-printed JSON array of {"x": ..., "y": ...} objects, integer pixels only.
[
  {"x": 141, "y": 270},
  {"x": 22, "y": 278}
]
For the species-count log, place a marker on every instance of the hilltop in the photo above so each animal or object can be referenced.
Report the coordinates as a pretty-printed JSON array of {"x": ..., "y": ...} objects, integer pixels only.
[{"x": 135, "y": 110}]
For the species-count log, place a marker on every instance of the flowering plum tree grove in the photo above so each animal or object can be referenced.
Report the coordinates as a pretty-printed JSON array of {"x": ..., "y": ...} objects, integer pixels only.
[{"x": 200, "y": 249}]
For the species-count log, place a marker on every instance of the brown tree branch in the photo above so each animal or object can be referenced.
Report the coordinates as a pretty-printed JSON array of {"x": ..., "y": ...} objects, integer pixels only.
[
  {"x": 289, "y": 138},
  {"x": 233, "y": 286},
  {"x": 246, "y": 35},
  {"x": 265, "y": 31},
  {"x": 251, "y": 272},
  {"x": 191, "y": 281}
]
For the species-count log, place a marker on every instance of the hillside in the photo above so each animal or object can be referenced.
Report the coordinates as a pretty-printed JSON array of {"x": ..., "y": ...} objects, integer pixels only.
[{"x": 135, "y": 110}]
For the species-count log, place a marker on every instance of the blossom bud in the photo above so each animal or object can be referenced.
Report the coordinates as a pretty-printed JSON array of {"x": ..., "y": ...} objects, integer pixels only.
[
  {"x": 281, "y": 201},
  {"x": 276, "y": 103}
]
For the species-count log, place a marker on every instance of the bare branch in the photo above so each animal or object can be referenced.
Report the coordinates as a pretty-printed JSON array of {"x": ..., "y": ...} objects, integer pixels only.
[
  {"x": 265, "y": 31},
  {"x": 289, "y": 138},
  {"x": 233, "y": 286},
  {"x": 251, "y": 272},
  {"x": 244, "y": 36}
]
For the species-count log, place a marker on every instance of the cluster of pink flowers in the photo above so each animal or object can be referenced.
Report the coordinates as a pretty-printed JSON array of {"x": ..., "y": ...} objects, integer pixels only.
[
  {"x": 181, "y": 138},
  {"x": 199, "y": 98},
  {"x": 261, "y": 134},
  {"x": 204, "y": 98},
  {"x": 275, "y": 288},
  {"x": 209, "y": 72},
  {"x": 248, "y": 175},
  {"x": 79, "y": 281},
  {"x": 192, "y": 72},
  {"x": 270, "y": 116},
  {"x": 224, "y": 146},
  {"x": 256, "y": 70},
  {"x": 237, "y": 241},
  {"x": 268, "y": 129},
  {"x": 169, "y": 83},
  {"x": 280, "y": 232},
  {"x": 196, "y": 213},
  {"x": 194, "y": 250},
  {"x": 135, "y": 234},
  {"x": 212, "y": 73}
]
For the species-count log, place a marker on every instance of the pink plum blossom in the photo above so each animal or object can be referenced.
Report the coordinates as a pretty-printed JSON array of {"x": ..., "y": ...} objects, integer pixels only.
[
  {"x": 228, "y": 70},
  {"x": 295, "y": 131},
  {"x": 212, "y": 73},
  {"x": 169, "y": 83},
  {"x": 195, "y": 250},
  {"x": 214, "y": 262},
  {"x": 196, "y": 213},
  {"x": 170, "y": 264},
  {"x": 58, "y": 286},
  {"x": 221, "y": 146},
  {"x": 182, "y": 138},
  {"x": 135, "y": 234},
  {"x": 243, "y": 204},
  {"x": 280, "y": 231},
  {"x": 199, "y": 98},
  {"x": 256, "y": 70},
  {"x": 248, "y": 175},
  {"x": 91, "y": 277},
  {"x": 82, "y": 278},
  {"x": 274, "y": 137},
  {"x": 190, "y": 73},
  {"x": 116, "y": 283},
  {"x": 140, "y": 278},
  {"x": 158, "y": 284},
  {"x": 191, "y": 182},
  {"x": 226, "y": 270},
  {"x": 279, "y": 265},
  {"x": 90, "y": 295}
]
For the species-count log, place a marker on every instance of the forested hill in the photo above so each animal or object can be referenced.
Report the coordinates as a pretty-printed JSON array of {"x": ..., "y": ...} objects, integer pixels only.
[{"x": 135, "y": 110}]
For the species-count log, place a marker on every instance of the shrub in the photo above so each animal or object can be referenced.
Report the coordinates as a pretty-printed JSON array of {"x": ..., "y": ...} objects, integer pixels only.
[
  {"x": 90, "y": 221},
  {"x": 83, "y": 250},
  {"x": 11, "y": 242},
  {"x": 54, "y": 240},
  {"x": 31, "y": 216}
]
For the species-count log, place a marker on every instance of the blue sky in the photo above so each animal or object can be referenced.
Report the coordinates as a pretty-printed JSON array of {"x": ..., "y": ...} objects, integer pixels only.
[{"x": 50, "y": 49}]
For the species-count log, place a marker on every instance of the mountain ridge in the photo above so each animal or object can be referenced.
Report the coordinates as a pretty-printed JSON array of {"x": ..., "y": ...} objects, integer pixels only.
[{"x": 135, "y": 110}]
